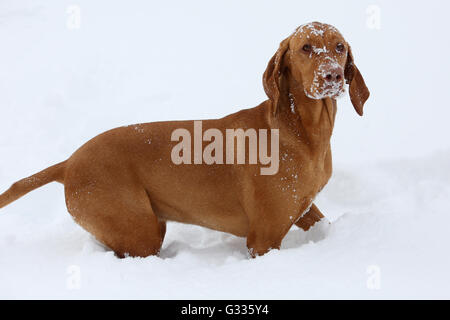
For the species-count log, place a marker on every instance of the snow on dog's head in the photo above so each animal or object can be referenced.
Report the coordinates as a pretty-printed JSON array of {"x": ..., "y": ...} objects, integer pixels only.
[
  {"x": 319, "y": 59},
  {"x": 320, "y": 52}
]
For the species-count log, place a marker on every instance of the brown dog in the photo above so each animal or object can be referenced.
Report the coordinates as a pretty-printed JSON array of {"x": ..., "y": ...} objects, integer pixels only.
[{"x": 122, "y": 186}]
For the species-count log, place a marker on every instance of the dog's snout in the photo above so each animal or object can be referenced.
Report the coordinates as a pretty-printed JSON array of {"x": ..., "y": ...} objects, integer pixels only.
[{"x": 334, "y": 74}]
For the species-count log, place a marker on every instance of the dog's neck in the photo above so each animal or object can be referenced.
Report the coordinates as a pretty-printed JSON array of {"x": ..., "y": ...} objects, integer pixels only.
[{"x": 310, "y": 120}]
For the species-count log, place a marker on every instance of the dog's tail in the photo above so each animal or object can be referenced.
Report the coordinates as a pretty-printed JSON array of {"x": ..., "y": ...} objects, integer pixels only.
[{"x": 22, "y": 187}]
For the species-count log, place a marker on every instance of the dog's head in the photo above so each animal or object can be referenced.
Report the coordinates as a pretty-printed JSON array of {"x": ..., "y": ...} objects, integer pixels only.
[{"x": 318, "y": 58}]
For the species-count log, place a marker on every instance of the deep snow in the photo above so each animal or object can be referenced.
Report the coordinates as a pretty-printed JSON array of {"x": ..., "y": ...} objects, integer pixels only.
[{"x": 388, "y": 199}]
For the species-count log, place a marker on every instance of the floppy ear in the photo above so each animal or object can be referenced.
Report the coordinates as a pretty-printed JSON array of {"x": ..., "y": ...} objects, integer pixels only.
[
  {"x": 358, "y": 90},
  {"x": 272, "y": 75}
]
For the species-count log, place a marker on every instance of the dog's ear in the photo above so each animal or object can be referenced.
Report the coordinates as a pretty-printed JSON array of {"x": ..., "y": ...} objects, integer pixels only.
[
  {"x": 272, "y": 75},
  {"x": 358, "y": 90}
]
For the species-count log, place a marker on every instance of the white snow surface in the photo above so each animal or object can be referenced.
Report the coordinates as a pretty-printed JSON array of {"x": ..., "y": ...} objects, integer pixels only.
[{"x": 388, "y": 200}]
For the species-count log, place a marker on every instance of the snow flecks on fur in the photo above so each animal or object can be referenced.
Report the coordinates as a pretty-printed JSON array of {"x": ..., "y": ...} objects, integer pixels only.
[
  {"x": 311, "y": 201},
  {"x": 312, "y": 27},
  {"x": 139, "y": 128},
  {"x": 290, "y": 180},
  {"x": 318, "y": 50},
  {"x": 292, "y": 103}
]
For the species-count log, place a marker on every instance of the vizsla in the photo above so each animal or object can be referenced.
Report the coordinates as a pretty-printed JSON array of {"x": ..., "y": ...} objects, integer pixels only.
[{"x": 122, "y": 186}]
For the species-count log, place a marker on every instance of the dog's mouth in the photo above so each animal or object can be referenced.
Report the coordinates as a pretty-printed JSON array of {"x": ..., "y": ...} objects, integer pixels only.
[
  {"x": 327, "y": 89},
  {"x": 334, "y": 90}
]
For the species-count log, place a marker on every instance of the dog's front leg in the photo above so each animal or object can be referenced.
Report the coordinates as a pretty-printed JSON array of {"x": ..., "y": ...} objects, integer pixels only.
[
  {"x": 310, "y": 218},
  {"x": 266, "y": 234},
  {"x": 259, "y": 243}
]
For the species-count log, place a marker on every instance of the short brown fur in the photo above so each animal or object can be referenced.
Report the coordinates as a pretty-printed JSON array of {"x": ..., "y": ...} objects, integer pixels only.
[{"x": 122, "y": 186}]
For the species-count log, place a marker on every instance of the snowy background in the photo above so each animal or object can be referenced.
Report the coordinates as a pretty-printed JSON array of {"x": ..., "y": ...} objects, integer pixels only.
[{"x": 142, "y": 61}]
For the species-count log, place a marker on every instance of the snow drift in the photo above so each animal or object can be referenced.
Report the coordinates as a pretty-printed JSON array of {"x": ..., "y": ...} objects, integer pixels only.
[{"x": 388, "y": 199}]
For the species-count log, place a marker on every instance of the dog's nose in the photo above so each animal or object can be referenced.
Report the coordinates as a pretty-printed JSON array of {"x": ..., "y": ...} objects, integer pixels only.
[{"x": 334, "y": 74}]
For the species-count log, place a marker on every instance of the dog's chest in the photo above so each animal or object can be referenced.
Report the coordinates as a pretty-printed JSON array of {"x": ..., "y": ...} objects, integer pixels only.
[{"x": 303, "y": 176}]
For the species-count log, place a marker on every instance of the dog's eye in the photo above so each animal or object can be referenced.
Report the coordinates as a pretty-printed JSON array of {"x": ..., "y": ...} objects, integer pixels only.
[
  {"x": 340, "y": 48},
  {"x": 307, "y": 48}
]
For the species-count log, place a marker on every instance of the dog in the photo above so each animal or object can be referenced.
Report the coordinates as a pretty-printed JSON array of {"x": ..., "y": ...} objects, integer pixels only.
[{"x": 123, "y": 185}]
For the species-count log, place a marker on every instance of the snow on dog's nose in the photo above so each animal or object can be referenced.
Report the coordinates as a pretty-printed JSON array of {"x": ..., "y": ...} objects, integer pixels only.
[
  {"x": 328, "y": 81},
  {"x": 333, "y": 73}
]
